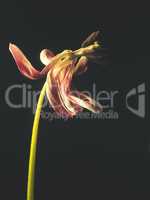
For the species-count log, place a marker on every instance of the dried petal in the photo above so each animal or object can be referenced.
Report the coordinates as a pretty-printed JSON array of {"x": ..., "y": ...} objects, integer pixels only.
[
  {"x": 58, "y": 90},
  {"x": 24, "y": 66},
  {"x": 81, "y": 65},
  {"x": 90, "y": 39},
  {"x": 85, "y": 101},
  {"x": 46, "y": 56}
]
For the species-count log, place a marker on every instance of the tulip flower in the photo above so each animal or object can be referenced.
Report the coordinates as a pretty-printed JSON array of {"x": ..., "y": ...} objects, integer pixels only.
[{"x": 59, "y": 70}]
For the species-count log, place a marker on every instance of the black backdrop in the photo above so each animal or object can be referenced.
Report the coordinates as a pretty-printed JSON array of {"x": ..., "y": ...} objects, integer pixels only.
[{"x": 77, "y": 159}]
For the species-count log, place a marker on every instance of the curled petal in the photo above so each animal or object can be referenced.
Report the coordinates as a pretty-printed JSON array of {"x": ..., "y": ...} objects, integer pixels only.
[
  {"x": 58, "y": 88},
  {"x": 81, "y": 65},
  {"x": 57, "y": 93},
  {"x": 24, "y": 65},
  {"x": 85, "y": 101},
  {"x": 62, "y": 99},
  {"x": 46, "y": 56}
]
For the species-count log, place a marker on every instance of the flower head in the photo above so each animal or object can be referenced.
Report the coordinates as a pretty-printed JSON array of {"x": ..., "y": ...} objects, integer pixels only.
[{"x": 59, "y": 70}]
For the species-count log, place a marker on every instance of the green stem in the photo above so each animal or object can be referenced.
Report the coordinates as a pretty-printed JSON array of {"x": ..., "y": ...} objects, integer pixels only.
[{"x": 33, "y": 147}]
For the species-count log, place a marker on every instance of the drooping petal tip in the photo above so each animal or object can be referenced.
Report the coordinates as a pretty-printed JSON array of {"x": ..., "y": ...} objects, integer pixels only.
[{"x": 23, "y": 64}]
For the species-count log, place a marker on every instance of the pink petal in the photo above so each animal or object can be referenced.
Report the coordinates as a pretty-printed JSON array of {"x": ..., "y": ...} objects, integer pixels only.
[
  {"x": 85, "y": 101},
  {"x": 57, "y": 95},
  {"x": 25, "y": 67},
  {"x": 63, "y": 101}
]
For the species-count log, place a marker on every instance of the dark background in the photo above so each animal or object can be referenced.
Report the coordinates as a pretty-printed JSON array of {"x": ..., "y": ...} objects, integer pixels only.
[{"x": 77, "y": 159}]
